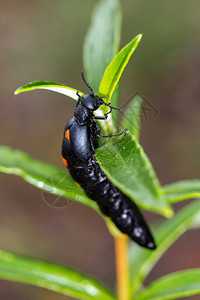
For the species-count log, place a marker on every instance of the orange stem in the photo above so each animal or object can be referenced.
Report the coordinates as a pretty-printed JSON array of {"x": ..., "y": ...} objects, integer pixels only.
[{"x": 122, "y": 269}]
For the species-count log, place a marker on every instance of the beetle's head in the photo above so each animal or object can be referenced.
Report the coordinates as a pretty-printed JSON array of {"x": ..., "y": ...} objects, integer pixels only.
[{"x": 91, "y": 101}]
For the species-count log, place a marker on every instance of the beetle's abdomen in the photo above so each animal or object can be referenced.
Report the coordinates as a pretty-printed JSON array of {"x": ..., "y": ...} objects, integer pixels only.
[{"x": 114, "y": 204}]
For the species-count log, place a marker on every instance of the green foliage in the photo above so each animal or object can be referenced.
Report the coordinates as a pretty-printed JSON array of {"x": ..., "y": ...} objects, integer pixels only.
[
  {"x": 123, "y": 160},
  {"x": 166, "y": 233},
  {"x": 102, "y": 40},
  {"x": 100, "y": 46},
  {"x": 182, "y": 190},
  {"x": 114, "y": 70},
  {"x": 51, "y": 276},
  {"x": 173, "y": 286},
  {"x": 51, "y": 86},
  {"x": 132, "y": 116},
  {"x": 44, "y": 176}
]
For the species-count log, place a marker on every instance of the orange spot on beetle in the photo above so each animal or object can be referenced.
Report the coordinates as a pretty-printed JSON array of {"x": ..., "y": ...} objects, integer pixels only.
[
  {"x": 67, "y": 134},
  {"x": 65, "y": 162},
  {"x": 77, "y": 183}
]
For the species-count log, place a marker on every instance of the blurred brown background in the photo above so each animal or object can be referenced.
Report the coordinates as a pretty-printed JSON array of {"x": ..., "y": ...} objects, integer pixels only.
[{"x": 43, "y": 40}]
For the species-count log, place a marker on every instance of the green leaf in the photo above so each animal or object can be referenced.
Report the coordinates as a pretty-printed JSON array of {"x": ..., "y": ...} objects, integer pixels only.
[
  {"x": 42, "y": 175},
  {"x": 142, "y": 261},
  {"x": 51, "y": 276},
  {"x": 173, "y": 286},
  {"x": 101, "y": 45},
  {"x": 127, "y": 166},
  {"x": 182, "y": 190},
  {"x": 51, "y": 86},
  {"x": 114, "y": 70},
  {"x": 132, "y": 116},
  {"x": 102, "y": 40},
  {"x": 45, "y": 176}
]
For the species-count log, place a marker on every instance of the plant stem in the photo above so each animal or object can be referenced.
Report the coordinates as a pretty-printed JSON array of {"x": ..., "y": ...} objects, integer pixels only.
[{"x": 122, "y": 269}]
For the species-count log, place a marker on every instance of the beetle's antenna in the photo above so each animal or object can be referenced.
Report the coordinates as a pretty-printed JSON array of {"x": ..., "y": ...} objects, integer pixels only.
[
  {"x": 107, "y": 104},
  {"x": 84, "y": 80}
]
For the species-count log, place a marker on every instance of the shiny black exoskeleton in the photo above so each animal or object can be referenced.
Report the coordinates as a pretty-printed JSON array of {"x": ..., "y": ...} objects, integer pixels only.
[{"x": 79, "y": 143}]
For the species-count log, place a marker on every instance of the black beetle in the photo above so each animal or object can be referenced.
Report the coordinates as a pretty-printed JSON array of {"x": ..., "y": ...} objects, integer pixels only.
[{"x": 78, "y": 148}]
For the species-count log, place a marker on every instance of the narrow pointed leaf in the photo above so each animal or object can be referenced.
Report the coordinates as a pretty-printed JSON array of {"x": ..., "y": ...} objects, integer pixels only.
[
  {"x": 132, "y": 116},
  {"x": 102, "y": 40},
  {"x": 101, "y": 45},
  {"x": 142, "y": 261},
  {"x": 182, "y": 190},
  {"x": 51, "y": 86},
  {"x": 51, "y": 276},
  {"x": 127, "y": 166},
  {"x": 173, "y": 286},
  {"x": 114, "y": 70},
  {"x": 44, "y": 176}
]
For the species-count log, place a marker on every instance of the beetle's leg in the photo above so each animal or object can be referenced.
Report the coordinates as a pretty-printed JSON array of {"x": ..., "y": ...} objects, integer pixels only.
[
  {"x": 100, "y": 118},
  {"x": 79, "y": 96},
  {"x": 109, "y": 110},
  {"x": 105, "y": 116},
  {"x": 111, "y": 135}
]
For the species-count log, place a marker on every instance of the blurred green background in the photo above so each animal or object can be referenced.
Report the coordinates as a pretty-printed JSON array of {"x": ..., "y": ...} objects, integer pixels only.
[{"x": 43, "y": 40}]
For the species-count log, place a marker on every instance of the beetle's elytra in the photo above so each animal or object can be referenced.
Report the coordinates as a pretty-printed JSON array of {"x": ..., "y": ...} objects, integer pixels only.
[{"x": 79, "y": 143}]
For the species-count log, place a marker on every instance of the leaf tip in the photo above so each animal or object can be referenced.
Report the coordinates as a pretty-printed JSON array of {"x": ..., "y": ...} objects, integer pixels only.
[
  {"x": 139, "y": 37},
  {"x": 16, "y": 92}
]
